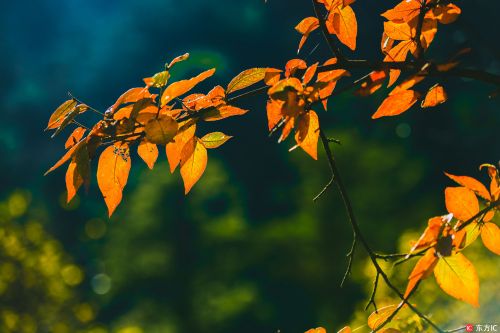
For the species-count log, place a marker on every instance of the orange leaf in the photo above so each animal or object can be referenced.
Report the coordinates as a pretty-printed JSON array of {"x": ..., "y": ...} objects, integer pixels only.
[
  {"x": 57, "y": 117},
  {"x": 274, "y": 114},
  {"x": 148, "y": 152},
  {"x": 404, "y": 11},
  {"x": 174, "y": 149},
  {"x": 316, "y": 330},
  {"x": 307, "y": 133},
  {"x": 131, "y": 96},
  {"x": 180, "y": 58},
  {"x": 272, "y": 76},
  {"x": 380, "y": 316},
  {"x": 407, "y": 84},
  {"x": 179, "y": 88},
  {"x": 292, "y": 65},
  {"x": 397, "y": 31},
  {"x": 309, "y": 74},
  {"x": 193, "y": 163},
  {"x": 398, "y": 54},
  {"x": 345, "y": 26},
  {"x": 162, "y": 130},
  {"x": 495, "y": 180},
  {"x": 446, "y": 14},
  {"x": 457, "y": 277},
  {"x": 436, "y": 95},
  {"x": 76, "y": 136},
  {"x": 472, "y": 184},
  {"x": 246, "y": 79},
  {"x": 214, "y": 139},
  {"x": 461, "y": 202},
  {"x": 396, "y": 104},
  {"x": 223, "y": 112},
  {"x": 66, "y": 156},
  {"x": 346, "y": 329},
  {"x": 422, "y": 270},
  {"x": 430, "y": 234},
  {"x": 305, "y": 27},
  {"x": 490, "y": 234},
  {"x": 78, "y": 172},
  {"x": 280, "y": 89},
  {"x": 112, "y": 174}
]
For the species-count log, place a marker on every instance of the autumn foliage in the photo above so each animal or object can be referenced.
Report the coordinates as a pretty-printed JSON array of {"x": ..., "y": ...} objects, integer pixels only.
[{"x": 161, "y": 117}]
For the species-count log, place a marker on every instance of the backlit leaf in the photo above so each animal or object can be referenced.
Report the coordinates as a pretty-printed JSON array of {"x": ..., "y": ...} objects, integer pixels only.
[
  {"x": 345, "y": 26},
  {"x": 162, "y": 130},
  {"x": 179, "y": 88},
  {"x": 305, "y": 27},
  {"x": 76, "y": 136},
  {"x": 66, "y": 157},
  {"x": 379, "y": 317},
  {"x": 396, "y": 104},
  {"x": 174, "y": 149},
  {"x": 404, "y": 11},
  {"x": 193, "y": 163},
  {"x": 457, "y": 277},
  {"x": 57, "y": 117},
  {"x": 472, "y": 184},
  {"x": 214, "y": 139},
  {"x": 307, "y": 133},
  {"x": 461, "y": 202},
  {"x": 490, "y": 234},
  {"x": 422, "y": 270},
  {"x": 180, "y": 58},
  {"x": 435, "y": 96},
  {"x": 112, "y": 174},
  {"x": 223, "y": 112},
  {"x": 148, "y": 152},
  {"x": 246, "y": 79},
  {"x": 78, "y": 172}
]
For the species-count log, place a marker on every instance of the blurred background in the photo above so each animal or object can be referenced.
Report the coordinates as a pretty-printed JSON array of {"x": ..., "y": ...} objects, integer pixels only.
[{"x": 247, "y": 250}]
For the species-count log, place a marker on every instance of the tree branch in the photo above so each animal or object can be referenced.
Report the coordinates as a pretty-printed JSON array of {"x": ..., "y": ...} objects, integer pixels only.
[{"x": 324, "y": 29}]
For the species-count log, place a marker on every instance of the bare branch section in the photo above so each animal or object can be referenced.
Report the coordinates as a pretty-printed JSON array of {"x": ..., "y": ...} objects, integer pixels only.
[{"x": 361, "y": 238}]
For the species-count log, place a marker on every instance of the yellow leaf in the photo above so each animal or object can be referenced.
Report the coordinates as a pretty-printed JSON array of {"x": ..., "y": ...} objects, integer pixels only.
[
  {"x": 193, "y": 163},
  {"x": 112, "y": 174},
  {"x": 490, "y": 234},
  {"x": 214, "y": 139},
  {"x": 59, "y": 114},
  {"x": 148, "y": 152},
  {"x": 377, "y": 318},
  {"x": 246, "y": 79},
  {"x": 457, "y": 277},
  {"x": 162, "y": 130},
  {"x": 461, "y": 202}
]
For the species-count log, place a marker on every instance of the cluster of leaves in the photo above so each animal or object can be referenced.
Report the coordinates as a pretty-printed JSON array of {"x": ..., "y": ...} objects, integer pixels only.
[
  {"x": 147, "y": 120},
  {"x": 447, "y": 236}
]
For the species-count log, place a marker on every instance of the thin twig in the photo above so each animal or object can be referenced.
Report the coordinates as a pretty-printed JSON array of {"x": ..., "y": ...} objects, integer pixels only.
[{"x": 329, "y": 40}]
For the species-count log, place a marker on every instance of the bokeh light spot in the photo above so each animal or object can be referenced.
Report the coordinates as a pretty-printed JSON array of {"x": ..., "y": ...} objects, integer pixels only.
[{"x": 101, "y": 284}]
